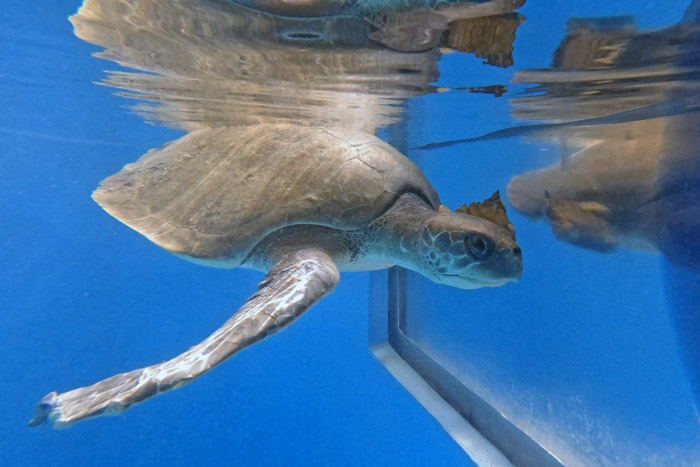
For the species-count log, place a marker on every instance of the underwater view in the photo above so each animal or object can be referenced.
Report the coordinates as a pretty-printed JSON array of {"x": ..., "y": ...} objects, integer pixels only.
[{"x": 489, "y": 209}]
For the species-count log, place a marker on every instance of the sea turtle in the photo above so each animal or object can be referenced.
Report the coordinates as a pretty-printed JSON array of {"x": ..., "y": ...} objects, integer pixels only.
[{"x": 300, "y": 203}]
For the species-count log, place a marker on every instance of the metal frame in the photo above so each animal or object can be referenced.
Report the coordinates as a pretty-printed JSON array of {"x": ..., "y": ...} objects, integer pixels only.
[{"x": 487, "y": 436}]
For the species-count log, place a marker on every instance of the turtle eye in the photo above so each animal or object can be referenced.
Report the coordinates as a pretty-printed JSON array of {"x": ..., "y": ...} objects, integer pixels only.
[{"x": 479, "y": 246}]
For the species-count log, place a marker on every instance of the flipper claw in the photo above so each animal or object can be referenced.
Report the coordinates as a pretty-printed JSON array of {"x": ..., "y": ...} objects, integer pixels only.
[{"x": 47, "y": 410}]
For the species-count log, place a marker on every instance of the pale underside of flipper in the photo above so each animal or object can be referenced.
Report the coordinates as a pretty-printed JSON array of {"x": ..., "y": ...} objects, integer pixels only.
[{"x": 295, "y": 284}]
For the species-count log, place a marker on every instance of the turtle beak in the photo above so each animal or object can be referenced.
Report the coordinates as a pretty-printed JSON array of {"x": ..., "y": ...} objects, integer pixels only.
[
  {"x": 513, "y": 264},
  {"x": 518, "y": 262},
  {"x": 506, "y": 267}
]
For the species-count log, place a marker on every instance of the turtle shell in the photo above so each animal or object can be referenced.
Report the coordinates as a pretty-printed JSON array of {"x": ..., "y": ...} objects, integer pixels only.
[{"x": 215, "y": 193}]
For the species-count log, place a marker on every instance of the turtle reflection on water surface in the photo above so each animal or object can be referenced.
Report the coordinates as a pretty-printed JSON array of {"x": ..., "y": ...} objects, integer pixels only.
[
  {"x": 300, "y": 203},
  {"x": 632, "y": 179}
]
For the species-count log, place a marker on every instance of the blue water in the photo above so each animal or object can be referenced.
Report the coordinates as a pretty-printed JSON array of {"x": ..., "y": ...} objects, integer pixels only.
[{"x": 85, "y": 297}]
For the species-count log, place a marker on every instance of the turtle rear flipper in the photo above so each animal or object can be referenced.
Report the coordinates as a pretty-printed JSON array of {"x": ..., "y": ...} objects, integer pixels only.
[{"x": 295, "y": 284}]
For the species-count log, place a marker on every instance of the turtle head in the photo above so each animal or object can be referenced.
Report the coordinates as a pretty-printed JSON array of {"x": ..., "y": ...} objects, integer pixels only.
[{"x": 468, "y": 252}]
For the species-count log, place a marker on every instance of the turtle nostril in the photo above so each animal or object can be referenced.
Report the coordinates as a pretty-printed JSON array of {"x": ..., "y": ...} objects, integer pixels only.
[{"x": 517, "y": 252}]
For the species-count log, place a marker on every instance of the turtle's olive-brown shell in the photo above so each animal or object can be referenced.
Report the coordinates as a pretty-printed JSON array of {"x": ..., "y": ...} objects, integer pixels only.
[{"x": 215, "y": 193}]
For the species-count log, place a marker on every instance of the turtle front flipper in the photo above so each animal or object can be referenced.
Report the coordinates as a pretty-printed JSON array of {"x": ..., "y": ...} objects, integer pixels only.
[
  {"x": 297, "y": 282},
  {"x": 583, "y": 223}
]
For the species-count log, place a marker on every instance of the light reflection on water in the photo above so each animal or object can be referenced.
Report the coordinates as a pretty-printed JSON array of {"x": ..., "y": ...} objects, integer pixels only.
[{"x": 217, "y": 63}]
